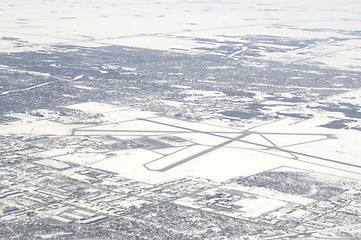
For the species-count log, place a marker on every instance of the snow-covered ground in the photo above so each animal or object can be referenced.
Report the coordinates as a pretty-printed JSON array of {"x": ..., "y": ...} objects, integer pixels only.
[
  {"x": 295, "y": 158},
  {"x": 169, "y": 148},
  {"x": 324, "y": 31}
]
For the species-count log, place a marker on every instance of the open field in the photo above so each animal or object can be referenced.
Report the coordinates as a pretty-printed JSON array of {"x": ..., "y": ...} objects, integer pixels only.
[{"x": 148, "y": 147}]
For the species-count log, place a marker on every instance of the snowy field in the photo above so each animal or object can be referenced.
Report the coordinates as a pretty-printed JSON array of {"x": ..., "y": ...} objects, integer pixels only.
[
  {"x": 180, "y": 119},
  {"x": 152, "y": 148},
  {"x": 324, "y": 31},
  {"x": 314, "y": 32}
]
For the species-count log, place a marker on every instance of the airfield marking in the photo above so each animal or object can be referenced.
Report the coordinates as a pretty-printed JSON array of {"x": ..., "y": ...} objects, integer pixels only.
[
  {"x": 294, "y": 155},
  {"x": 193, "y": 130},
  {"x": 303, "y": 154},
  {"x": 187, "y": 159}
]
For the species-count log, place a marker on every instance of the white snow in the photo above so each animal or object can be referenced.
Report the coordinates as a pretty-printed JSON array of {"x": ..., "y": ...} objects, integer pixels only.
[
  {"x": 84, "y": 87},
  {"x": 188, "y": 26},
  {"x": 203, "y": 93},
  {"x": 252, "y": 208},
  {"x": 30, "y": 125},
  {"x": 268, "y": 193},
  {"x": 171, "y": 103},
  {"x": 52, "y": 163},
  {"x": 94, "y": 107},
  {"x": 168, "y": 150},
  {"x": 128, "y": 163},
  {"x": 129, "y": 69},
  {"x": 286, "y": 142},
  {"x": 25, "y": 89},
  {"x": 84, "y": 158},
  {"x": 180, "y": 86},
  {"x": 176, "y": 157},
  {"x": 71, "y": 173},
  {"x": 78, "y": 77}
]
